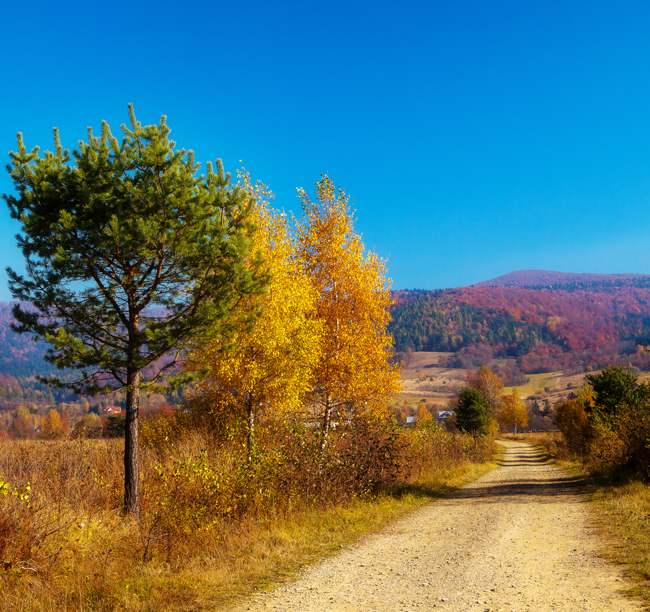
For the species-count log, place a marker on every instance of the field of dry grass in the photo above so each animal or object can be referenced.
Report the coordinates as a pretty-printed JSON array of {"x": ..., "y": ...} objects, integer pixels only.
[{"x": 426, "y": 377}]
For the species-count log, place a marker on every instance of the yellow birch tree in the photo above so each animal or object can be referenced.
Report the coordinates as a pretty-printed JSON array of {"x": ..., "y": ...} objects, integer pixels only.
[
  {"x": 489, "y": 384},
  {"x": 423, "y": 413},
  {"x": 269, "y": 363},
  {"x": 512, "y": 411},
  {"x": 354, "y": 374},
  {"x": 52, "y": 426}
]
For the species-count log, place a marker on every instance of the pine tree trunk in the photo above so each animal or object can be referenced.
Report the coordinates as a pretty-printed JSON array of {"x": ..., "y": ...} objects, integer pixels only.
[{"x": 131, "y": 465}]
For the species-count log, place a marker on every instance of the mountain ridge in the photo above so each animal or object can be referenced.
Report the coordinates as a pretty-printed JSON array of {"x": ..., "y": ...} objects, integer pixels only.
[
  {"x": 549, "y": 278},
  {"x": 539, "y": 319}
]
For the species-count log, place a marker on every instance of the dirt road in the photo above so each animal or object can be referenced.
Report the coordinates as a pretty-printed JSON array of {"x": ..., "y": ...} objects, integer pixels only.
[{"x": 517, "y": 539}]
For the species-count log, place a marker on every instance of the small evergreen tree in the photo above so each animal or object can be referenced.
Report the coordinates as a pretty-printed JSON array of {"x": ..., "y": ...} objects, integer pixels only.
[
  {"x": 110, "y": 232},
  {"x": 617, "y": 388},
  {"x": 473, "y": 412}
]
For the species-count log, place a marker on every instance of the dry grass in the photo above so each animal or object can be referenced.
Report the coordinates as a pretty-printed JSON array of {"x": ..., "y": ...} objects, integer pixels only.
[
  {"x": 536, "y": 383},
  {"x": 424, "y": 378},
  {"x": 211, "y": 532},
  {"x": 623, "y": 520},
  {"x": 258, "y": 554}
]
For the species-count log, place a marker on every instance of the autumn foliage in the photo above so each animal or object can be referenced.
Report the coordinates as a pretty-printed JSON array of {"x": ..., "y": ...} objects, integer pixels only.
[
  {"x": 511, "y": 412},
  {"x": 316, "y": 342},
  {"x": 64, "y": 545},
  {"x": 266, "y": 361},
  {"x": 481, "y": 406},
  {"x": 544, "y": 329},
  {"x": 354, "y": 375},
  {"x": 607, "y": 423},
  {"x": 572, "y": 418}
]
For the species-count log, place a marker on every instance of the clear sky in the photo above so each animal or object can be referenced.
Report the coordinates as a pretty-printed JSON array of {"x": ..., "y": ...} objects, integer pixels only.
[{"x": 476, "y": 138}]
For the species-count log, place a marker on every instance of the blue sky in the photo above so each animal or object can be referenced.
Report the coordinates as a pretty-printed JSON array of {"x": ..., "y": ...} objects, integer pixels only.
[{"x": 476, "y": 138}]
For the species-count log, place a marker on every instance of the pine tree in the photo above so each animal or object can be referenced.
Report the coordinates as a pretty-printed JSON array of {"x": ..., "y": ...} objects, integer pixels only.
[
  {"x": 473, "y": 411},
  {"x": 110, "y": 232}
]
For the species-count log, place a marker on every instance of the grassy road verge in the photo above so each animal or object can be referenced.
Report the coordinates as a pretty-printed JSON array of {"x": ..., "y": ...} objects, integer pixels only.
[{"x": 622, "y": 516}]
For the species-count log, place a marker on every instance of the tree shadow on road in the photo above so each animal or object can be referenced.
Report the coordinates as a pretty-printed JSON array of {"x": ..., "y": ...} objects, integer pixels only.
[
  {"x": 519, "y": 490},
  {"x": 515, "y": 487},
  {"x": 514, "y": 490}
]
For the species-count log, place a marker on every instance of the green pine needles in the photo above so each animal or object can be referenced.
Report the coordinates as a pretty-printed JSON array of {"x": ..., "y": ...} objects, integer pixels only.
[
  {"x": 111, "y": 232},
  {"x": 473, "y": 412}
]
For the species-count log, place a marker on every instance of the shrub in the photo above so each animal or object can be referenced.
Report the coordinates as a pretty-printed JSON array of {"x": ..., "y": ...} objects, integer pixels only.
[
  {"x": 608, "y": 423},
  {"x": 621, "y": 443},
  {"x": 89, "y": 426},
  {"x": 572, "y": 420}
]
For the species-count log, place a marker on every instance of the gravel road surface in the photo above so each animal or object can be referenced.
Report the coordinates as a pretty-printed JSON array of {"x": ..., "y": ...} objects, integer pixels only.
[{"x": 517, "y": 539}]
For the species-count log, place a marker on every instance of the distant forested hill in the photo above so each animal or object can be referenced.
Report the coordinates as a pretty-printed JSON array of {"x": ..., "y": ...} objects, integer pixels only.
[
  {"x": 21, "y": 359},
  {"x": 590, "y": 321},
  {"x": 20, "y": 356}
]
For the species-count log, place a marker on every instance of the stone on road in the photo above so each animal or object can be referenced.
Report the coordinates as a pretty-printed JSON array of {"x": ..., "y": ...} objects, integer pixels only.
[{"x": 518, "y": 539}]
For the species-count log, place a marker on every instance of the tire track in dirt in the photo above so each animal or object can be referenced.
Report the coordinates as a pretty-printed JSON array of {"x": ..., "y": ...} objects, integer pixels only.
[{"x": 518, "y": 539}]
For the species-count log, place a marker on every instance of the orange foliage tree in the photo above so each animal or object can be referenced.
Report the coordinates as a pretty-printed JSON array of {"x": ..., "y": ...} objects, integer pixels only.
[
  {"x": 24, "y": 423},
  {"x": 512, "y": 412},
  {"x": 489, "y": 384},
  {"x": 572, "y": 419},
  {"x": 52, "y": 426},
  {"x": 354, "y": 374}
]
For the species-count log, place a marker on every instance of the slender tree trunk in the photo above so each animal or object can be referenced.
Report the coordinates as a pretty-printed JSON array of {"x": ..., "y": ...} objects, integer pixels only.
[
  {"x": 327, "y": 421},
  {"x": 131, "y": 465},
  {"x": 251, "y": 428},
  {"x": 132, "y": 425}
]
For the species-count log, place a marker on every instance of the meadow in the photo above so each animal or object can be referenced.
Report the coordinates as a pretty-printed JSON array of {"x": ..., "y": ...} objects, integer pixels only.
[{"x": 427, "y": 376}]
